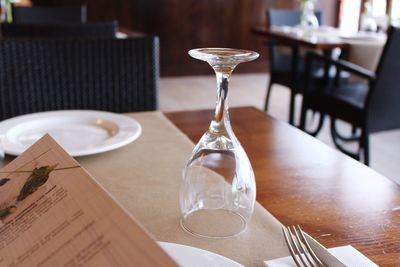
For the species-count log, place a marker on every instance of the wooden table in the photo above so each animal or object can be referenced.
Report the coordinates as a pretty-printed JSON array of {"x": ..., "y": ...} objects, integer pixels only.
[
  {"x": 305, "y": 40},
  {"x": 302, "y": 181},
  {"x": 296, "y": 40}
]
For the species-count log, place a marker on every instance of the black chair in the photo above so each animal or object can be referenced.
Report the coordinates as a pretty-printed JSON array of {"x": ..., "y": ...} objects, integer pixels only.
[
  {"x": 118, "y": 75},
  {"x": 281, "y": 66},
  {"x": 371, "y": 106},
  {"x": 49, "y": 14},
  {"x": 60, "y": 30}
]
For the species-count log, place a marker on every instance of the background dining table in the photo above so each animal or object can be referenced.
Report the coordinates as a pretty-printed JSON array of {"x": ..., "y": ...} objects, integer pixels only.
[
  {"x": 354, "y": 46},
  {"x": 297, "y": 37}
]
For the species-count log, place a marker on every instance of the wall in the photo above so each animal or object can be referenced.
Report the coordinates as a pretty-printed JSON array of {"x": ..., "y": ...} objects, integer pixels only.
[{"x": 186, "y": 24}]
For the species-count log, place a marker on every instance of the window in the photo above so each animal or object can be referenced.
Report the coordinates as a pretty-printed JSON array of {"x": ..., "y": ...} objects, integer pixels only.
[
  {"x": 349, "y": 15},
  {"x": 395, "y": 12},
  {"x": 381, "y": 10}
]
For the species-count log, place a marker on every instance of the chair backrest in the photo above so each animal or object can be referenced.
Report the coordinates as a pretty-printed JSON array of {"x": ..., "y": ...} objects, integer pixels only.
[
  {"x": 287, "y": 17},
  {"x": 118, "y": 75},
  {"x": 383, "y": 101},
  {"x": 60, "y": 30},
  {"x": 49, "y": 14}
]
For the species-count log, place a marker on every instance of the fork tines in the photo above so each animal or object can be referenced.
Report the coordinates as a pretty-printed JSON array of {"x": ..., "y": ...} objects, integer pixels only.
[{"x": 299, "y": 248}]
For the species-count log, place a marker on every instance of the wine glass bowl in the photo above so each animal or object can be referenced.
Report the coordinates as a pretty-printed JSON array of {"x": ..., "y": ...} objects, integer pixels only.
[{"x": 218, "y": 189}]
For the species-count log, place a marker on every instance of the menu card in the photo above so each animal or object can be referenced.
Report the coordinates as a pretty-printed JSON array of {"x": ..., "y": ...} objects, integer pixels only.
[{"x": 53, "y": 213}]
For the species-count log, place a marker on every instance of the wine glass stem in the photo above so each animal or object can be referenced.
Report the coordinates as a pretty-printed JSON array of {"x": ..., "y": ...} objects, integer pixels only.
[{"x": 222, "y": 96}]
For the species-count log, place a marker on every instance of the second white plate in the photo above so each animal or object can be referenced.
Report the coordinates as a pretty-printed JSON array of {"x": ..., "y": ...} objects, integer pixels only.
[
  {"x": 187, "y": 256},
  {"x": 79, "y": 132}
]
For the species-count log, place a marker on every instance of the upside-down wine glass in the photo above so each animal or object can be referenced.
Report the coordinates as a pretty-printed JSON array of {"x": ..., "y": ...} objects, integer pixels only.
[{"x": 218, "y": 188}]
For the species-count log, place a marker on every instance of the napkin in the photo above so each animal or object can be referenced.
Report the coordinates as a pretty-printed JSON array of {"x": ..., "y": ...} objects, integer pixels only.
[{"x": 346, "y": 254}]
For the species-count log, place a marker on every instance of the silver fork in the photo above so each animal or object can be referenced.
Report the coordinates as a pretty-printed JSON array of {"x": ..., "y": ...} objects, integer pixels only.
[{"x": 299, "y": 248}]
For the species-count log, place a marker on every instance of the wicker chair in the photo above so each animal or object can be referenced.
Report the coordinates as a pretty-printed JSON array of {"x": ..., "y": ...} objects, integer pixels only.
[
  {"x": 118, "y": 75},
  {"x": 49, "y": 14},
  {"x": 372, "y": 106},
  {"x": 106, "y": 29}
]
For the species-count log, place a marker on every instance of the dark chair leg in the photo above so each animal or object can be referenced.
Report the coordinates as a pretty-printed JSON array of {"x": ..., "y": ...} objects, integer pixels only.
[
  {"x": 352, "y": 137},
  {"x": 292, "y": 107},
  {"x": 268, "y": 95},
  {"x": 365, "y": 145},
  {"x": 336, "y": 140},
  {"x": 353, "y": 129},
  {"x": 303, "y": 116},
  {"x": 319, "y": 127}
]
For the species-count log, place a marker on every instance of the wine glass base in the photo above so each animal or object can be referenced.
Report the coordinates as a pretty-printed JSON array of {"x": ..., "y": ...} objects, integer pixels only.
[{"x": 214, "y": 223}]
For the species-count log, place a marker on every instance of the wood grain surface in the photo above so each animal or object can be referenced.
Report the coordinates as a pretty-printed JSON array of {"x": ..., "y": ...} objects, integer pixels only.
[{"x": 302, "y": 181}]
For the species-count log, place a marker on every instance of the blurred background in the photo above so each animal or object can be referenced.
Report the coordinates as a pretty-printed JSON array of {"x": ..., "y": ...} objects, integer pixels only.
[{"x": 186, "y": 24}]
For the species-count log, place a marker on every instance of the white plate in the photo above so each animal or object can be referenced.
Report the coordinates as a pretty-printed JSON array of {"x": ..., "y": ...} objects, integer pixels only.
[
  {"x": 79, "y": 132},
  {"x": 187, "y": 256}
]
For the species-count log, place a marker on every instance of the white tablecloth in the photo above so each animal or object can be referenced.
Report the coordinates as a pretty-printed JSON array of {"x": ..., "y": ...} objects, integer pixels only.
[{"x": 365, "y": 48}]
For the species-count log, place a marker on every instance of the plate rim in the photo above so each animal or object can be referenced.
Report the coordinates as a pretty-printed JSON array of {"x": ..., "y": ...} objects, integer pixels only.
[
  {"x": 118, "y": 119},
  {"x": 176, "y": 245}
]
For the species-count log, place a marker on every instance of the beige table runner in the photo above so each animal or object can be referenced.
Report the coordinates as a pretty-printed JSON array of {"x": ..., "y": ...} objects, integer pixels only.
[{"x": 144, "y": 177}]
